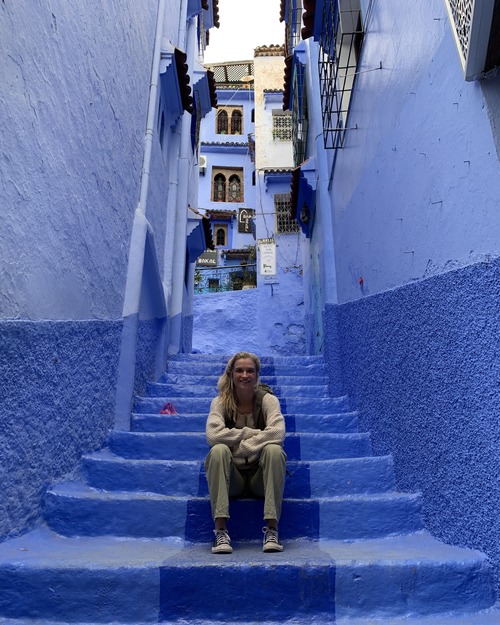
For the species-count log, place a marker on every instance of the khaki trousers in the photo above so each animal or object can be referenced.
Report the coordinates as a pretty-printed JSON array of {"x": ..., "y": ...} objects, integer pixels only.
[{"x": 266, "y": 480}]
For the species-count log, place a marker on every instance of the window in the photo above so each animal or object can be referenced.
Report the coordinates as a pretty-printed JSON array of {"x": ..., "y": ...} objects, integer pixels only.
[
  {"x": 222, "y": 124},
  {"x": 220, "y": 235},
  {"x": 293, "y": 24},
  {"x": 282, "y": 126},
  {"x": 227, "y": 184},
  {"x": 234, "y": 193},
  {"x": 229, "y": 120},
  {"x": 283, "y": 223},
  {"x": 219, "y": 194},
  {"x": 236, "y": 123},
  {"x": 300, "y": 115}
]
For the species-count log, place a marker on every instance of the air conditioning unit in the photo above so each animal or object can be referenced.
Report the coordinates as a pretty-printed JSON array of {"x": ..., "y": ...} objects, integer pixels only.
[
  {"x": 202, "y": 162},
  {"x": 475, "y": 26}
]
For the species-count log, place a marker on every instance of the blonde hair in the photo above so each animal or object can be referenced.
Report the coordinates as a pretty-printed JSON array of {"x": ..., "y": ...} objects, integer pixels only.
[{"x": 225, "y": 385}]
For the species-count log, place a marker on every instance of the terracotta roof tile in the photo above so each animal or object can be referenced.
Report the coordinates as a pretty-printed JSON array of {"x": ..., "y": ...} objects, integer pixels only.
[
  {"x": 212, "y": 87},
  {"x": 272, "y": 50},
  {"x": 287, "y": 85},
  {"x": 183, "y": 78},
  {"x": 282, "y": 10},
  {"x": 215, "y": 5},
  {"x": 294, "y": 192},
  {"x": 308, "y": 18}
]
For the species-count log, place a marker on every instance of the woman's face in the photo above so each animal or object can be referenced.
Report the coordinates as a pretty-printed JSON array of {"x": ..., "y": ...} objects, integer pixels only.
[{"x": 244, "y": 374}]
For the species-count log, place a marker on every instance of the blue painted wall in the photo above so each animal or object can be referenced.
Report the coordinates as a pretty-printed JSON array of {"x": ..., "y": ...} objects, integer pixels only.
[
  {"x": 57, "y": 383},
  {"x": 421, "y": 363},
  {"x": 73, "y": 105},
  {"x": 414, "y": 191},
  {"x": 414, "y": 203},
  {"x": 76, "y": 83}
]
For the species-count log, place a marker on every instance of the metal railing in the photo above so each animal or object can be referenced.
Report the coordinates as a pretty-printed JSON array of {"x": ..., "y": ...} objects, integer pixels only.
[
  {"x": 340, "y": 45},
  {"x": 219, "y": 279}
]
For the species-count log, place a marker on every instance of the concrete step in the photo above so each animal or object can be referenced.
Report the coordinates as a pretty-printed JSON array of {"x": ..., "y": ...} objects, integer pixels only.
[
  {"x": 75, "y": 509},
  {"x": 271, "y": 380},
  {"x": 279, "y": 369},
  {"x": 223, "y": 359},
  {"x": 158, "y": 389},
  {"x": 289, "y": 405},
  {"x": 342, "y": 422},
  {"x": 108, "y": 580},
  {"x": 193, "y": 445},
  {"x": 322, "y": 478}
]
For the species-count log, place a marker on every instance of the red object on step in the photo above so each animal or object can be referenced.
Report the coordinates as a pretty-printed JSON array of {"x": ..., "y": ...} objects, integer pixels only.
[{"x": 168, "y": 408}]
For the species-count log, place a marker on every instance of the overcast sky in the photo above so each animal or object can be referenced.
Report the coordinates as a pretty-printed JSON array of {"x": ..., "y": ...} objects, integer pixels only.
[{"x": 244, "y": 25}]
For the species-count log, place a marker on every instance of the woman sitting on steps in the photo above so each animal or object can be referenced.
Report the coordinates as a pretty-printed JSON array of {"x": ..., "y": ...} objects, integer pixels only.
[{"x": 245, "y": 430}]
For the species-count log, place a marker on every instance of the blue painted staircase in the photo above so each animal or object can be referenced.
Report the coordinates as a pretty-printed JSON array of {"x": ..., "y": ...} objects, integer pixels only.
[{"x": 127, "y": 540}]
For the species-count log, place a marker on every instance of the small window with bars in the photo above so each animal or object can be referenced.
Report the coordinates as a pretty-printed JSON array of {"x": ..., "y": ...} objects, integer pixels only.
[
  {"x": 282, "y": 126},
  {"x": 283, "y": 223}
]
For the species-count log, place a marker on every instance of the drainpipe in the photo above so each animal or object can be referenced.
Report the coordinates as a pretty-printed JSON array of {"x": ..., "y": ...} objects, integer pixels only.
[
  {"x": 179, "y": 257},
  {"x": 131, "y": 305},
  {"x": 173, "y": 188}
]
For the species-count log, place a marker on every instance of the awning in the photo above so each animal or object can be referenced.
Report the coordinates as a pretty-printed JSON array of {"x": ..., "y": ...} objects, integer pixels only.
[
  {"x": 199, "y": 237},
  {"x": 204, "y": 87},
  {"x": 174, "y": 80}
]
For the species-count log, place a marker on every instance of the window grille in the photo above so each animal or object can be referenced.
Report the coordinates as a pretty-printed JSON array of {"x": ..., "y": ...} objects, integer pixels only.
[
  {"x": 222, "y": 122},
  {"x": 282, "y": 127},
  {"x": 234, "y": 193},
  {"x": 293, "y": 25},
  {"x": 300, "y": 117},
  {"x": 236, "y": 123},
  {"x": 340, "y": 42},
  {"x": 283, "y": 223},
  {"x": 219, "y": 194},
  {"x": 476, "y": 29}
]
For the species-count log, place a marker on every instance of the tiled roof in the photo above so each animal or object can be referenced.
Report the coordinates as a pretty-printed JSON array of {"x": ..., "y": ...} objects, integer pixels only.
[
  {"x": 287, "y": 84},
  {"x": 272, "y": 50},
  {"x": 237, "y": 253},
  {"x": 308, "y": 18},
  {"x": 273, "y": 90},
  {"x": 221, "y": 214},
  {"x": 183, "y": 78},
  {"x": 294, "y": 192},
  {"x": 211, "y": 86},
  {"x": 215, "y": 5},
  {"x": 282, "y": 170},
  {"x": 282, "y": 10},
  {"x": 225, "y": 143},
  {"x": 207, "y": 230}
]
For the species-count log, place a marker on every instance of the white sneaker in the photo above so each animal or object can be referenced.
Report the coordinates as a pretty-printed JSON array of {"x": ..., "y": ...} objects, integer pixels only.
[
  {"x": 271, "y": 540},
  {"x": 222, "y": 542}
]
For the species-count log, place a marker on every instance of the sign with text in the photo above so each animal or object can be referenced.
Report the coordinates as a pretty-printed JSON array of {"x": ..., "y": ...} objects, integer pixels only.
[
  {"x": 267, "y": 249},
  {"x": 207, "y": 259},
  {"x": 245, "y": 216}
]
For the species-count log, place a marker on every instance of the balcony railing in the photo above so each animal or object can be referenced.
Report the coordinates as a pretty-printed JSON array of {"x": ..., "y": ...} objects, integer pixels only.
[
  {"x": 217, "y": 280},
  {"x": 340, "y": 42}
]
